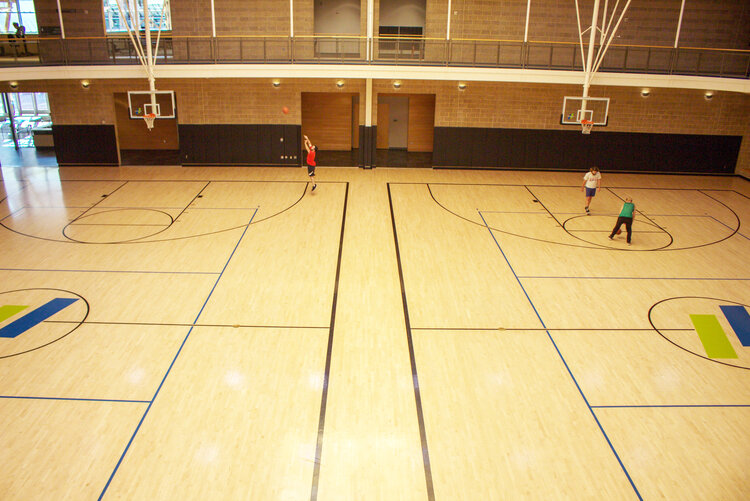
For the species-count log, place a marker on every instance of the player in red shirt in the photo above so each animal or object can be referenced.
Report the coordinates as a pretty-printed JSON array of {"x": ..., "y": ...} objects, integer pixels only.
[{"x": 311, "y": 150}]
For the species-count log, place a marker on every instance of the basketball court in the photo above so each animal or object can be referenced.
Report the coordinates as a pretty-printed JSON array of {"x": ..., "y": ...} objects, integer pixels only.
[{"x": 204, "y": 333}]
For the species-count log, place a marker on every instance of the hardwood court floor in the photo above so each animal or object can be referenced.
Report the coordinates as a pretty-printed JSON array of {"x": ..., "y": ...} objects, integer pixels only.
[{"x": 399, "y": 334}]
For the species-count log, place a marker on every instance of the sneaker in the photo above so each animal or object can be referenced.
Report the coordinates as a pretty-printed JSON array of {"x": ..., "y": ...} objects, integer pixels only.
[
  {"x": 611, "y": 237},
  {"x": 313, "y": 188},
  {"x": 587, "y": 210}
]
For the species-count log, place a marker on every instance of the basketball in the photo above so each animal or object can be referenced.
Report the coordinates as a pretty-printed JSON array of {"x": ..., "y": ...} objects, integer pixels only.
[
  {"x": 285, "y": 110},
  {"x": 619, "y": 231}
]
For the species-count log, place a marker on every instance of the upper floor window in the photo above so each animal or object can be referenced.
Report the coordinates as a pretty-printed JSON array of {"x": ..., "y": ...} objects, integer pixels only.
[
  {"x": 21, "y": 12},
  {"x": 114, "y": 22}
]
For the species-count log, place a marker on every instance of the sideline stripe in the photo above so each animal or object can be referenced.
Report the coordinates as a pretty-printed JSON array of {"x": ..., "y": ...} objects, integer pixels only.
[
  {"x": 35, "y": 317},
  {"x": 570, "y": 372},
  {"x": 413, "y": 362},
  {"x": 329, "y": 353},
  {"x": 713, "y": 337},
  {"x": 739, "y": 320}
]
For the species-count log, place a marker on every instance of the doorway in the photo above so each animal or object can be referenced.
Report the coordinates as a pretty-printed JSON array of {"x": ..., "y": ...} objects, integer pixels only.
[
  {"x": 331, "y": 121},
  {"x": 405, "y": 130}
]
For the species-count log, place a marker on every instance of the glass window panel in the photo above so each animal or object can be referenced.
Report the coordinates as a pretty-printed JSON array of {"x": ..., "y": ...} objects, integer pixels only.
[
  {"x": 115, "y": 24},
  {"x": 42, "y": 104},
  {"x": 26, "y": 16},
  {"x": 27, "y": 103}
]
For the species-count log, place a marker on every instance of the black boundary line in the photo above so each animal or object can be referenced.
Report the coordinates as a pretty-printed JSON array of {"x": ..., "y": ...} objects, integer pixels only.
[
  {"x": 329, "y": 351},
  {"x": 168, "y": 324},
  {"x": 105, "y": 211},
  {"x": 172, "y": 220},
  {"x": 412, "y": 359},
  {"x": 117, "y": 224},
  {"x": 192, "y": 201},
  {"x": 66, "y": 240},
  {"x": 79, "y": 216},
  {"x": 536, "y": 199}
]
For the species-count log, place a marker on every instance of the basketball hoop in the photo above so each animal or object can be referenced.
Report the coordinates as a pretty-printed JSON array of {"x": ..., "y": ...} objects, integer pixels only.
[
  {"x": 586, "y": 126},
  {"x": 149, "y": 119}
]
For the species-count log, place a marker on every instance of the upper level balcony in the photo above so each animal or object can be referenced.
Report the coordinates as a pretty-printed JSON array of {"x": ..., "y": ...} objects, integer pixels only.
[{"x": 384, "y": 50}]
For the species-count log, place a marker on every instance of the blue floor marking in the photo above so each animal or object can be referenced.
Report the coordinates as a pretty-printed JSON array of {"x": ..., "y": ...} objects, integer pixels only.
[
  {"x": 36, "y": 317},
  {"x": 151, "y": 403},
  {"x": 580, "y": 391},
  {"x": 12, "y": 397}
]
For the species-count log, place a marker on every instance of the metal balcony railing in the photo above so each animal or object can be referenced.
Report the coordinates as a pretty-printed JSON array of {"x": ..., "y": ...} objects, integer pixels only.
[{"x": 384, "y": 50}]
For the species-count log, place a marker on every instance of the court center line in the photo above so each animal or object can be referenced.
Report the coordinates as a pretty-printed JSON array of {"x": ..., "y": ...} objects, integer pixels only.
[
  {"x": 570, "y": 372},
  {"x": 11, "y": 397},
  {"x": 412, "y": 360},
  {"x": 329, "y": 353},
  {"x": 169, "y": 369}
]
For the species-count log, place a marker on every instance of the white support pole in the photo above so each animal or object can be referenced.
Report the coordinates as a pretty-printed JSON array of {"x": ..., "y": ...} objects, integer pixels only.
[
  {"x": 679, "y": 25},
  {"x": 149, "y": 55},
  {"x": 448, "y": 28},
  {"x": 59, "y": 13},
  {"x": 605, "y": 25},
  {"x": 603, "y": 50},
  {"x": 370, "y": 21},
  {"x": 132, "y": 31},
  {"x": 590, "y": 55},
  {"x": 213, "y": 20},
  {"x": 368, "y": 102},
  {"x": 580, "y": 35},
  {"x": 291, "y": 18},
  {"x": 526, "y": 29}
]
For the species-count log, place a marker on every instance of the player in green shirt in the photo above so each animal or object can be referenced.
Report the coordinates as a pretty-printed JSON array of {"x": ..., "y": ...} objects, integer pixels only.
[{"x": 626, "y": 218}]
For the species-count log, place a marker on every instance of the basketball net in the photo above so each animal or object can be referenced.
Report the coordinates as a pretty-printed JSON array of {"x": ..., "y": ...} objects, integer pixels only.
[{"x": 149, "y": 119}]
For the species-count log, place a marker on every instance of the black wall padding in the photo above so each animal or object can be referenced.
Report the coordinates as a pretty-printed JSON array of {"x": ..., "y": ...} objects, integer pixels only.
[
  {"x": 571, "y": 150},
  {"x": 240, "y": 144},
  {"x": 367, "y": 138},
  {"x": 85, "y": 144}
]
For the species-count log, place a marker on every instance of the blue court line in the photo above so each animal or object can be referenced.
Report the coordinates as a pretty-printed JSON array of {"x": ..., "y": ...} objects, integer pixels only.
[
  {"x": 158, "y": 389},
  {"x": 666, "y": 406},
  {"x": 580, "y": 391},
  {"x": 631, "y": 278},
  {"x": 11, "y": 397},
  {"x": 117, "y": 271}
]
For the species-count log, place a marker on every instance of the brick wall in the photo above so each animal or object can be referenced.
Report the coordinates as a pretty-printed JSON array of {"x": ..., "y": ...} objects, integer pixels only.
[{"x": 191, "y": 18}]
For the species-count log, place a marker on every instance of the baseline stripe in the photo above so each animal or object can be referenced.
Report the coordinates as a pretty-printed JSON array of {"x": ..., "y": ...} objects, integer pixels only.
[{"x": 37, "y": 316}]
